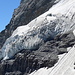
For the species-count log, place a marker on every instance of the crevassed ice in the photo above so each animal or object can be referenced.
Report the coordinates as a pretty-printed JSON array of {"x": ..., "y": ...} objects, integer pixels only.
[{"x": 59, "y": 19}]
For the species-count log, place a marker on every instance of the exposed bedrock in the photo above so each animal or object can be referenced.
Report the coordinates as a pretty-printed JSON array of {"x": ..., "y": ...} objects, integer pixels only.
[{"x": 27, "y": 61}]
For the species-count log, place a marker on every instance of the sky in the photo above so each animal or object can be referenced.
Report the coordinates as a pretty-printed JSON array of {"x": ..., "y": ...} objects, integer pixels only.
[{"x": 6, "y": 11}]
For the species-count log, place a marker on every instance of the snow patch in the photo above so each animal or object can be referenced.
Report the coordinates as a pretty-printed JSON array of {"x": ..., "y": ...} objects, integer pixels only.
[
  {"x": 21, "y": 30},
  {"x": 74, "y": 32}
]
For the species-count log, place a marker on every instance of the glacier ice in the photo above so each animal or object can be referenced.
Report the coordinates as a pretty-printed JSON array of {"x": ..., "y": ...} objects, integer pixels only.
[{"x": 58, "y": 19}]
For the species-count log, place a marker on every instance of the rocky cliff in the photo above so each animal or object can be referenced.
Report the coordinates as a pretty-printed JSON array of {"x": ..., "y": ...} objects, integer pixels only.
[{"x": 27, "y": 11}]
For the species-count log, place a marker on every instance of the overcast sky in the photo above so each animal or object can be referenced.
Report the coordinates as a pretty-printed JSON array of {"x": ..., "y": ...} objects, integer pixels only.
[{"x": 6, "y": 10}]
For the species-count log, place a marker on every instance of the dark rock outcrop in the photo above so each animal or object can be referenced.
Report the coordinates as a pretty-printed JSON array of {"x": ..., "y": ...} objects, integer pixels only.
[
  {"x": 27, "y": 11},
  {"x": 27, "y": 61}
]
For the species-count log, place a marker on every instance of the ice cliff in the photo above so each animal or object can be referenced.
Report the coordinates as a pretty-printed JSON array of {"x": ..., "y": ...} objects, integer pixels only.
[
  {"x": 26, "y": 12},
  {"x": 58, "y": 19}
]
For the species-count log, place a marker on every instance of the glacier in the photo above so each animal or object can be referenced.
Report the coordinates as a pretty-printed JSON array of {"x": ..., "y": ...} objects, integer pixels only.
[{"x": 58, "y": 19}]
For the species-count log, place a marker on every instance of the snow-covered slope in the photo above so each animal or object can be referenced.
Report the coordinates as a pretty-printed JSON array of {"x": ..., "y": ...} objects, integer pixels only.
[{"x": 59, "y": 19}]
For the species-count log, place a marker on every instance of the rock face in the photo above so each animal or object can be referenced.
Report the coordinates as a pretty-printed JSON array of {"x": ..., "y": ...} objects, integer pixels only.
[
  {"x": 27, "y": 61},
  {"x": 27, "y": 11}
]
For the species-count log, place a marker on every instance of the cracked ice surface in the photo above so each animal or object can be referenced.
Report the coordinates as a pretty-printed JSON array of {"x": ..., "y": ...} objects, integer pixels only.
[{"x": 59, "y": 19}]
